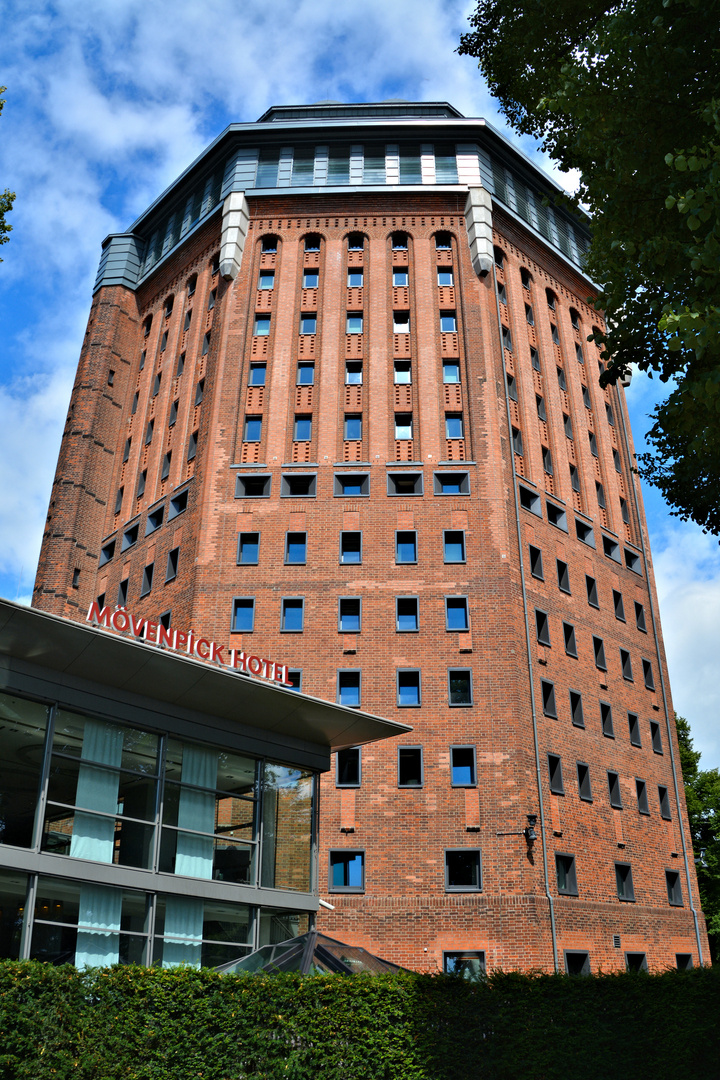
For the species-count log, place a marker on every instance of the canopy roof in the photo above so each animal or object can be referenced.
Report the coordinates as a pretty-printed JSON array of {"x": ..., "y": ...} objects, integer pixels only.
[{"x": 312, "y": 954}]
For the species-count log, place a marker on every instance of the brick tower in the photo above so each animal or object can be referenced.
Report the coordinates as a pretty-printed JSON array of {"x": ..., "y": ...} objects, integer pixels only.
[{"x": 336, "y": 404}]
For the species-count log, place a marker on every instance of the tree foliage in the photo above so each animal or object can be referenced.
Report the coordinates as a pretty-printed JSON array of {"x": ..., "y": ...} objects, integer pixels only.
[
  {"x": 7, "y": 197},
  {"x": 702, "y": 794},
  {"x": 628, "y": 94}
]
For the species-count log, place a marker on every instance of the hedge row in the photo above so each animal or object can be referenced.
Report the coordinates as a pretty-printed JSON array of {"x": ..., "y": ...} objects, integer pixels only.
[{"x": 132, "y": 1023}]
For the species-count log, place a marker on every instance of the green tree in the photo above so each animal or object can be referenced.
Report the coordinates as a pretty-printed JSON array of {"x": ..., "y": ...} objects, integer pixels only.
[
  {"x": 627, "y": 93},
  {"x": 702, "y": 794},
  {"x": 7, "y": 197}
]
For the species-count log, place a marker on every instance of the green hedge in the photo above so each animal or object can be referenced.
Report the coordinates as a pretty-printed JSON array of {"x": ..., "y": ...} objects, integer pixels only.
[{"x": 132, "y": 1023}]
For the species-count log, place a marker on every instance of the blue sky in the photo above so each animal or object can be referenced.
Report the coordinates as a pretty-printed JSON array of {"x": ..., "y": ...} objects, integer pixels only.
[{"x": 108, "y": 101}]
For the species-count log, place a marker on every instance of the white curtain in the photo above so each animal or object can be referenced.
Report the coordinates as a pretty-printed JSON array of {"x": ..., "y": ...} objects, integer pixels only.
[
  {"x": 97, "y": 789},
  {"x": 194, "y": 856},
  {"x": 183, "y": 931},
  {"x": 99, "y": 915}
]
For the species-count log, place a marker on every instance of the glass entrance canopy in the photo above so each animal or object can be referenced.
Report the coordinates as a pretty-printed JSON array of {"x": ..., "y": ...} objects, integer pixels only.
[{"x": 312, "y": 954}]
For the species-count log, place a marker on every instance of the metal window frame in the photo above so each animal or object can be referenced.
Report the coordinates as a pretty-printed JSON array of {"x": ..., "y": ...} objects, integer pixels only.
[
  {"x": 348, "y": 671},
  {"x": 456, "y": 629},
  {"x": 348, "y": 749},
  {"x": 350, "y": 562},
  {"x": 419, "y": 749},
  {"x": 563, "y": 579},
  {"x": 416, "y": 598},
  {"x": 283, "y": 601},
  {"x": 345, "y": 888},
  {"x": 464, "y": 746},
  {"x": 408, "y": 671},
  {"x": 460, "y": 704},
  {"x": 584, "y": 784},
  {"x": 406, "y": 562},
  {"x": 456, "y": 562},
  {"x": 463, "y": 888},
  {"x": 233, "y": 629},
  {"x": 247, "y": 562},
  {"x": 295, "y": 562},
  {"x": 570, "y": 872},
  {"x": 341, "y": 628}
]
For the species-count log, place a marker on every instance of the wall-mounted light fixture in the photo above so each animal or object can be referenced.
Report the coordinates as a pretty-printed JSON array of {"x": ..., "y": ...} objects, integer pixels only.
[{"x": 529, "y": 832}]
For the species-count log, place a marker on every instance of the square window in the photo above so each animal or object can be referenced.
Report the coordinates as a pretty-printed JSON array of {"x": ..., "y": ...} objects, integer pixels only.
[
  {"x": 611, "y": 548},
  {"x": 354, "y": 323},
  {"x": 408, "y": 688},
  {"x": 130, "y": 537},
  {"x": 454, "y": 546},
  {"x": 462, "y": 766},
  {"x": 349, "y": 608},
  {"x": 353, "y": 428},
  {"x": 295, "y": 547},
  {"x": 451, "y": 371},
  {"x": 632, "y": 561},
  {"x": 253, "y": 429},
  {"x": 634, "y": 726},
  {"x": 294, "y": 679},
  {"x": 269, "y": 244},
  {"x": 406, "y": 547},
  {"x": 585, "y": 533},
  {"x": 456, "y": 613},
  {"x": 403, "y": 426},
  {"x": 642, "y": 798},
  {"x": 599, "y": 652},
  {"x": 614, "y": 790},
  {"x": 448, "y": 322},
  {"x": 656, "y": 737},
  {"x": 462, "y": 870},
  {"x": 402, "y": 372},
  {"x": 405, "y": 483},
  {"x": 298, "y": 485},
  {"x": 347, "y": 871},
  {"x": 625, "y": 891},
  {"x": 448, "y": 483},
  {"x": 352, "y": 484},
  {"x": 353, "y": 372},
  {"x": 302, "y": 431},
  {"x": 576, "y": 962},
  {"x": 178, "y": 505},
  {"x": 453, "y": 426},
  {"x": 536, "y": 563},
  {"x": 626, "y": 665},
  {"x": 664, "y": 800},
  {"x": 305, "y": 373},
  {"x": 445, "y": 277},
  {"x": 606, "y": 720},
  {"x": 683, "y": 961},
  {"x": 583, "y": 776},
  {"x": 467, "y": 965},
  {"x": 570, "y": 643},
  {"x": 640, "y": 617},
  {"x": 542, "y": 627},
  {"x": 350, "y": 547},
  {"x": 548, "y": 698},
  {"x": 311, "y": 279},
  {"x": 348, "y": 688},
  {"x": 401, "y": 322},
  {"x": 557, "y": 516},
  {"x": 252, "y": 486},
  {"x": 262, "y": 326},
  {"x": 292, "y": 615},
  {"x": 355, "y": 278},
  {"x": 243, "y": 614},
  {"x": 635, "y": 961},
  {"x": 556, "y": 778},
  {"x": 563, "y": 576},
  {"x": 618, "y": 605},
  {"x": 410, "y": 766},
  {"x": 399, "y": 277},
  {"x": 530, "y": 500},
  {"x": 308, "y": 324},
  {"x": 406, "y": 614},
  {"x": 171, "y": 569},
  {"x": 592, "y": 593},
  {"x": 460, "y": 686},
  {"x": 648, "y": 675},
  {"x": 348, "y": 767},
  {"x": 266, "y": 280},
  {"x": 312, "y": 242},
  {"x": 576, "y": 709},
  {"x": 154, "y": 520},
  {"x": 566, "y": 877}
]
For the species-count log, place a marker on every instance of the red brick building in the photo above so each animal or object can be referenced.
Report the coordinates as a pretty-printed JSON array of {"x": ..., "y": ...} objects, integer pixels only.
[{"x": 336, "y": 403}]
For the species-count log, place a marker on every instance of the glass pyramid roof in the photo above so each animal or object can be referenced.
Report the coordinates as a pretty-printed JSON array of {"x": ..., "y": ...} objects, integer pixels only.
[{"x": 311, "y": 954}]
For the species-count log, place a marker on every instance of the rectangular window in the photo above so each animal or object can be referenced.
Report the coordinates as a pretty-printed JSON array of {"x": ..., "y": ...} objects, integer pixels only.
[
  {"x": 548, "y": 698},
  {"x": 348, "y": 688},
  {"x": 574, "y": 479},
  {"x": 308, "y": 324},
  {"x": 453, "y": 546},
  {"x": 453, "y": 426},
  {"x": 154, "y": 520},
  {"x": 348, "y": 767},
  {"x": 624, "y": 882},
  {"x": 547, "y": 461},
  {"x": 257, "y": 376},
  {"x": 243, "y": 614},
  {"x": 262, "y": 326},
  {"x": 656, "y": 737},
  {"x": 305, "y": 373},
  {"x": 569, "y": 635},
  {"x": 406, "y": 614},
  {"x": 408, "y": 688},
  {"x": 462, "y": 870},
  {"x": 530, "y": 500},
  {"x": 410, "y": 766},
  {"x": 311, "y": 279},
  {"x": 266, "y": 279},
  {"x": 576, "y": 709},
  {"x": 347, "y": 872},
  {"x": 635, "y": 961},
  {"x": 149, "y": 432},
  {"x": 456, "y": 613},
  {"x": 684, "y": 961},
  {"x": 401, "y": 322},
  {"x": 353, "y": 372},
  {"x": 130, "y": 537},
  {"x": 298, "y": 485},
  {"x": 583, "y": 777},
  {"x": 542, "y": 627},
  {"x": 405, "y": 483},
  {"x": 172, "y": 564},
  {"x": 634, "y": 726},
  {"x": 354, "y": 323},
  {"x": 123, "y": 592},
  {"x": 566, "y": 877},
  {"x": 664, "y": 800},
  {"x": 462, "y": 766},
  {"x": 592, "y": 593},
  {"x": 556, "y": 778},
  {"x": 626, "y": 665},
  {"x": 192, "y": 445},
  {"x": 445, "y": 277},
  {"x": 451, "y": 371},
  {"x": 295, "y": 547},
  {"x": 447, "y": 483},
  {"x": 563, "y": 576},
  {"x": 606, "y": 720},
  {"x": 402, "y": 372},
  {"x": 535, "y": 359},
  {"x": 467, "y": 965},
  {"x": 349, "y": 614},
  {"x": 674, "y": 889},
  {"x": 460, "y": 686},
  {"x": 172, "y": 418},
  {"x": 517, "y": 441},
  {"x": 593, "y": 443},
  {"x": 199, "y": 392},
  {"x": 557, "y": 516},
  {"x": 178, "y": 505},
  {"x": 614, "y": 790},
  {"x": 561, "y": 379},
  {"x": 302, "y": 431},
  {"x": 448, "y": 322},
  {"x": 648, "y": 675},
  {"x": 350, "y": 547},
  {"x": 252, "y": 486},
  {"x": 399, "y": 277},
  {"x": 599, "y": 651},
  {"x": 253, "y": 429},
  {"x": 640, "y": 617},
  {"x": 642, "y": 798},
  {"x": 611, "y": 548},
  {"x": 355, "y": 278},
  {"x": 292, "y": 615},
  {"x": 536, "y": 563},
  {"x": 351, "y": 484},
  {"x": 618, "y": 605},
  {"x": 540, "y": 406},
  {"x": 403, "y": 426},
  {"x": 248, "y": 546},
  {"x": 584, "y": 533},
  {"x": 353, "y": 427}
]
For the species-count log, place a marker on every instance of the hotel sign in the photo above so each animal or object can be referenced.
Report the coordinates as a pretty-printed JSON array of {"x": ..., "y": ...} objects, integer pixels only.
[{"x": 187, "y": 642}]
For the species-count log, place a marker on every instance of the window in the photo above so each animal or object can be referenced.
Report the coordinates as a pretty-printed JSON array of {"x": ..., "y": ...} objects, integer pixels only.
[
  {"x": 535, "y": 358},
  {"x": 561, "y": 379},
  {"x": 536, "y": 563},
  {"x": 600, "y": 493},
  {"x": 625, "y": 890},
  {"x": 298, "y": 485},
  {"x": 556, "y": 778},
  {"x": 410, "y": 766},
  {"x": 683, "y": 961},
  {"x": 401, "y": 322},
  {"x": 257, "y": 375},
  {"x": 180, "y": 365},
  {"x": 305, "y": 373},
  {"x": 163, "y": 341},
  {"x": 451, "y": 371},
  {"x": 294, "y": 678},
  {"x": 350, "y": 547},
  {"x": 611, "y": 548},
  {"x": 635, "y": 961},
  {"x": 348, "y": 688},
  {"x": 406, "y": 614},
  {"x": 456, "y": 613},
  {"x": 295, "y": 547},
  {"x": 540, "y": 406},
  {"x": 502, "y": 293},
  {"x": 462, "y": 766},
  {"x": 648, "y": 675},
  {"x": 616, "y": 461},
  {"x": 499, "y": 257},
  {"x": 624, "y": 512},
  {"x": 353, "y": 427},
  {"x": 599, "y": 652},
  {"x": 252, "y": 487},
  {"x": 178, "y": 504},
  {"x": 269, "y": 244},
  {"x": 579, "y": 354},
  {"x": 448, "y": 322},
  {"x": 529, "y": 318},
  {"x": 634, "y": 728},
  {"x": 656, "y": 737},
  {"x": 548, "y": 698},
  {"x": 403, "y": 426},
  {"x": 557, "y": 516},
  {"x": 302, "y": 431},
  {"x": 445, "y": 276},
  {"x": 348, "y": 767},
  {"x": 266, "y": 280},
  {"x": 119, "y": 500},
  {"x": 632, "y": 561},
  {"x": 506, "y": 339},
  {"x": 149, "y": 432},
  {"x": 402, "y": 372},
  {"x": 156, "y": 385},
  {"x": 172, "y": 418},
  {"x": 575, "y": 483},
  {"x": 154, "y": 520},
  {"x": 567, "y": 424},
  {"x": 642, "y": 798},
  {"x": 408, "y": 688},
  {"x": 353, "y": 372},
  {"x": 347, "y": 871},
  {"x": 172, "y": 564},
  {"x": 618, "y": 605},
  {"x": 354, "y": 323},
  {"x": 462, "y": 871},
  {"x": 547, "y": 462},
  {"x": 609, "y": 415},
  {"x": 583, "y": 778},
  {"x": 453, "y": 426},
  {"x": 349, "y": 609},
  {"x": 566, "y": 877},
  {"x": 592, "y": 593},
  {"x": 399, "y": 241},
  {"x": 308, "y": 323},
  {"x": 352, "y": 484},
  {"x": 614, "y": 790},
  {"x": 355, "y": 278},
  {"x": 311, "y": 279},
  {"x": 292, "y": 616},
  {"x": 626, "y": 665},
  {"x": 253, "y": 429},
  {"x": 569, "y": 635},
  {"x": 593, "y": 443},
  {"x": 664, "y": 800},
  {"x": 406, "y": 547},
  {"x": 576, "y": 709},
  {"x": 517, "y": 441},
  {"x": 312, "y": 242},
  {"x": 130, "y": 537},
  {"x": 122, "y": 593},
  {"x": 576, "y": 962},
  {"x": 262, "y": 326},
  {"x": 243, "y": 614},
  {"x": 512, "y": 387},
  {"x": 192, "y": 445},
  {"x": 530, "y": 500},
  {"x": 454, "y": 546},
  {"x": 606, "y": 720},
  {"x": 554, "y": 334},
  {"x": 460, "y": 686},
  {"x": 563, "y": 576},
  {"x": 405, "y": 483},
  {"x": 455, "y": 483},
  {"x": 399, "y": 277},
  {"x": 542, "y": 627}
]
